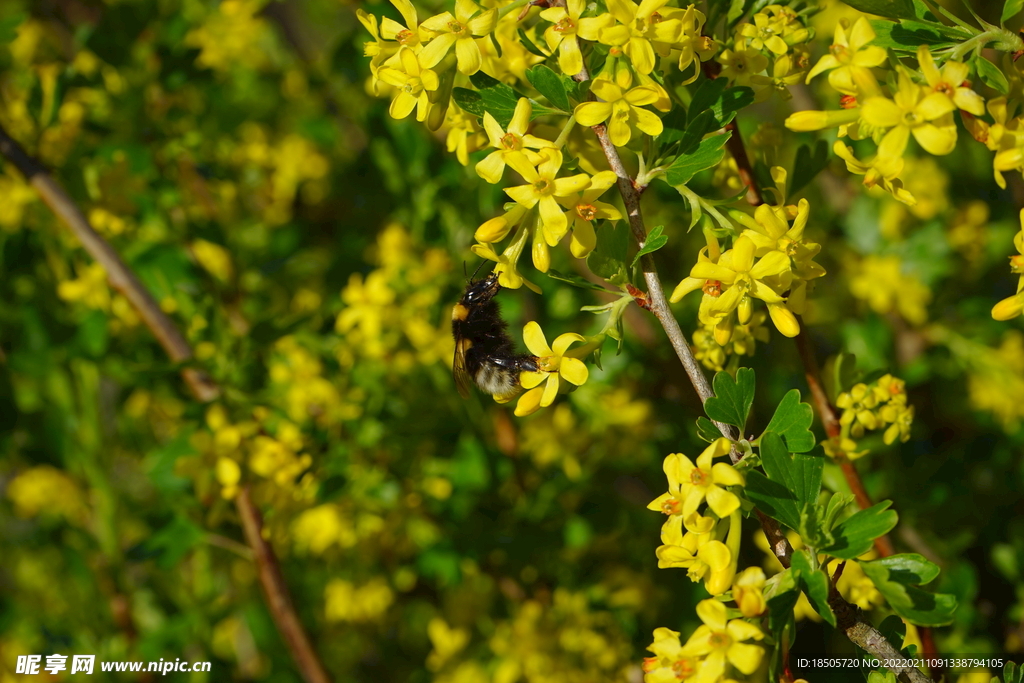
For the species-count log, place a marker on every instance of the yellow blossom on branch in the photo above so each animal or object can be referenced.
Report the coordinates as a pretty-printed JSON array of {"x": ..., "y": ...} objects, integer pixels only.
[
  {"x": 413, "y": 82},
  {"x": 850, "y": 58},
  {"x": 722, "y": 641},
  {"x": 460, "y": 30},
  {"x": 691, "y": 484},
  {"x": 566, "y": 29},
  {"x": 554, "y": 365},
  {"x": 912, "y": 111},
  {"x": 639, "y": 26},
  {"x": 582, "y": 210},
  {"x": 509, "y": 143},
  {"x": 622, "y": 108}
]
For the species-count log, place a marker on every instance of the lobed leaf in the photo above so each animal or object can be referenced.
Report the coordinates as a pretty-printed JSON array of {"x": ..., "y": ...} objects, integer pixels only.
[
  {"x": 913, "y": 604},
  {"x": 856, "y": 534},
  {"x": 733, "y": 397},
  {"x": 792, "y": 421}
]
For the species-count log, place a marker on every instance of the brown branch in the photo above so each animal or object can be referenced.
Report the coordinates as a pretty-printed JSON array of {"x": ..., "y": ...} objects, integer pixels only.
[
  {"x": 276, "y": 591},
  {"x": 121, "y": 277},
  {"x": 736, "y": 147},
  {"x": 203, "y": 388}
]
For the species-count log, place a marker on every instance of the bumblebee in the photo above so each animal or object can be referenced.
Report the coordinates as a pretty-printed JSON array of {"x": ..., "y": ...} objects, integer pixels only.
[{"x": 484, "y": 353}]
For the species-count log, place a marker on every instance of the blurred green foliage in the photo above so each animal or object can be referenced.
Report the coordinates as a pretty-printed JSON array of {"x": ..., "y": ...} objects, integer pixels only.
[{"x": 310, "y": 248}]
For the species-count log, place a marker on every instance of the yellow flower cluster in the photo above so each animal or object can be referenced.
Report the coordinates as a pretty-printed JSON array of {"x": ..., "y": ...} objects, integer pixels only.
[
  {"x": 769, "y": 54},
  {"x": 881, "y": 282},
  {"x": 564, "y": 641},
  {"x": 718, "y": 644},
  {"x": 46, "y": 490},
  {"x": 232, "y": 34},
  {"x": 700, "y": 549},
  {"x": 880, "y": 405},
  {"x": 921, "y": 105},
  {"x": 344, "y": 601},
  {"x": 770, "y": 261},
  {"x": 386, "y": 314}
]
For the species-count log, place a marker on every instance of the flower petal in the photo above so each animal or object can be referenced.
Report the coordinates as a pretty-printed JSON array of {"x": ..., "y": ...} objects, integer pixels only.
[
  {"x": 550, "y": 390},
  {"x": 573, "y": 370},
  {"x": 533, "y": 337}
]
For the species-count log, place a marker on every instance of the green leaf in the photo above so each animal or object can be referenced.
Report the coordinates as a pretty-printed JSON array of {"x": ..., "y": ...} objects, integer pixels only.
[
  {"x": 529, "y": 44},
  {"x": 910, "y": 569},
  {"x": 1011, "y": 8},
  {"x": 9, "y": 27},
  {"x": 813, "y": 582},
  {"x": 800, "y": 474},
  {"x": 550, "y": 85},
  {"x": 907, "y": 35},
  {"x": 673, "y": 126},
  {"x": 773, "y": 499},
  {"x": 494, "y": 97},
  {"x": 608, "y": 260},
  {"x": 894, "y": 9},
  {"x": 807, "y": 165},
  {"x": 855, "y": 535},
  {"x": 707, "y": 93},
  {"x": 732, "y": 399},
  {"x": 792, "y": 421},
  {"x": 1012, "y": 673},
  {"x": 655, "y": 241},
  {"x": 991, "y": 75},
  {"x": 707, "y": 155},
  {"x": 707, "y": 430},
  {"x": 173, "y": 541},
  {"x": 913, "y": 604},
  {"x": 782, "y": 594},
  {"x": 575, "y": 281}
]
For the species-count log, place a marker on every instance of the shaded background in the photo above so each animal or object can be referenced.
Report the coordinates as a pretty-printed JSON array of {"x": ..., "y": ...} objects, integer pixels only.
[{"x": 310, "y": 247}]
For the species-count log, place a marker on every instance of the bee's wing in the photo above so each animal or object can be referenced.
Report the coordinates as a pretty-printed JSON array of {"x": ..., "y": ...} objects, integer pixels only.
[{"x": 459, "y": 371}]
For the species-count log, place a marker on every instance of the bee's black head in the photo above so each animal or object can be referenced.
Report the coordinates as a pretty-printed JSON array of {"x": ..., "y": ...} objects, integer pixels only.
[{"x": 480, "y": 291}]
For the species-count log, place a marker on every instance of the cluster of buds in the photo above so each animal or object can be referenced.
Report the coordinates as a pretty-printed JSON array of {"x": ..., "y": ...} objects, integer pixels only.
[
  {"x": 870, "y": 407},
  {"x": 770, "y": 53}
]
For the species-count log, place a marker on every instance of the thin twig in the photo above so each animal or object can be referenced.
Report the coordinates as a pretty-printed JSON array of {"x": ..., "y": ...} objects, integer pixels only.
[
  {"x": 203, "y": 388},
  {"x": 276, "y": 591},
  {"x": 736, "y": 148},
  {"x": 121, "y": 277}
]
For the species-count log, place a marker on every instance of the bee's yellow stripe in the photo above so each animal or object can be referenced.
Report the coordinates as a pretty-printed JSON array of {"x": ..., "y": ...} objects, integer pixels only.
[{"x": 460, "y": 312}]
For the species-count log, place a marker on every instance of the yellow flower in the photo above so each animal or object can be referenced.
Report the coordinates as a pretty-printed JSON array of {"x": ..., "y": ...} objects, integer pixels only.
[
  {"x": 447, "y": 642},
  {"x": 721, "y": 641},
  {"x": 413, "y": 82},
  {"x": 858, "y": 406},
  {"x": 90, "y": 287},
  {"x": 748, "y": 592},
  {"x": 950, "y": 82},
  {"x": 461, "y": 30},
  {"x": 582, "y": 210},
  {"x": 741, "y": 63},
  {"x": 744, "y": 278},
  {"x": 689, "y": 484},
  {"x": 703, "y": 558},
  {"x": 407, "y": 35},
  {"x": 566, "y": 26},
  {"x": 669, "y": 664},
  {"x": 542, "y": 189},
  {"x": 880, "y": 170},
  {"x": 513, "y": 142},
  {"x": 214, "y": 258},
  {"x": 1013, "y": 306},
  {"x": 783, "y": 75},
  {"x": 764, "y": 32},
  {"x": 47, "y": 490},
  {"x": 638, "y": 26},
  {"x": 850, "y": 59},
  {"x": 507, "y": 269},
  {"x": 554, "y": 365},
  {"x": 464, "y": 134},
  {"x": 928, "y": 116},
  {"x": 621, "y": 108}
]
